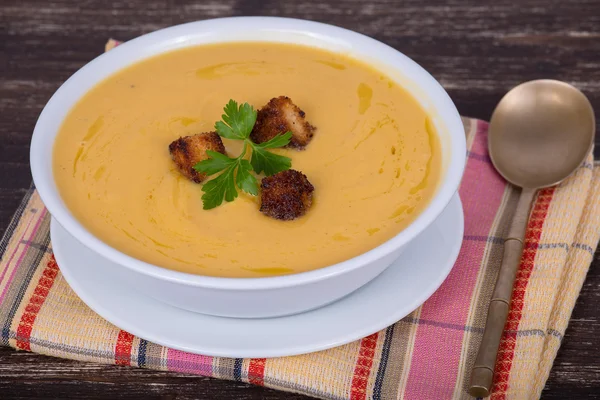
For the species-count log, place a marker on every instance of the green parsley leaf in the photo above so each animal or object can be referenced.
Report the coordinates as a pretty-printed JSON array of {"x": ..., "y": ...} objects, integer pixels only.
[
  {"x": 216, "y": 163},
  {"x": 238, "y": 122},
  {"x": 219, "y": 187},
  {"x": 244, "y": 178},
  {"x": 278, "y": 141},
  {"x": 270, "y": 163}
]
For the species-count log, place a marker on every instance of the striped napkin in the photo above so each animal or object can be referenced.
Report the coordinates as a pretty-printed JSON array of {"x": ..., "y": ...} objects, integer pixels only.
[{"x": 427, "y": 355}]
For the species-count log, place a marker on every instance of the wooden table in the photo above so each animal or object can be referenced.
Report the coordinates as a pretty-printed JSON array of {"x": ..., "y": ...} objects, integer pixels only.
[{"x": 477, "y": 51}]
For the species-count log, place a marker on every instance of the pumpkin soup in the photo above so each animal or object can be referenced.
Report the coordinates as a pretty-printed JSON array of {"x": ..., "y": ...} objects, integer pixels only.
[{"x": 374, "y": 160}]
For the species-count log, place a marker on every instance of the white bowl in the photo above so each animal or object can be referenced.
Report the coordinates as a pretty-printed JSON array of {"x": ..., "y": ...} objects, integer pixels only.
[{"x": 253, "y": 297}]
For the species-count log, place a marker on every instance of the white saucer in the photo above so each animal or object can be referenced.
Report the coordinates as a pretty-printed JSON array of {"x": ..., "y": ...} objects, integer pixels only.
[{"x": 399, "y": 290}]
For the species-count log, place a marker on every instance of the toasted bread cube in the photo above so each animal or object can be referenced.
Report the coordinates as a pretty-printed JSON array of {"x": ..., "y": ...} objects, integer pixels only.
[
  {"x": 280, "y": 115},
  {"x": 286, "y": 195},
  {"x": 189, "y": 150}
]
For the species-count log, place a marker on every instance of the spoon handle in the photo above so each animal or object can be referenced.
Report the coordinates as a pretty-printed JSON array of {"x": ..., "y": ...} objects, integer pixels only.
[{"x": 483, "y": 369}]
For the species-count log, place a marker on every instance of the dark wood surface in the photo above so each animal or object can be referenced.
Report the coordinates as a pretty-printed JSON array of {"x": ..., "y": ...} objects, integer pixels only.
[{"x": 478, "y": 50}]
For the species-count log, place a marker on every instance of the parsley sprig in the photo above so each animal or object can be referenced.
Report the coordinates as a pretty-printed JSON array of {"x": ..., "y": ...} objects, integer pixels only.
[{"x": 236, "y": 172}]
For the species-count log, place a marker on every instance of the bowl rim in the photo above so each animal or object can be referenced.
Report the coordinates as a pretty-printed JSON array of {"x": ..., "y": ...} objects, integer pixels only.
[{"x": 178, "y": 36}]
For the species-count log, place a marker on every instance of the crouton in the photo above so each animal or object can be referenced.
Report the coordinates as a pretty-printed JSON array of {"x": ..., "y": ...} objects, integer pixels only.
[
  {"x": 286, "y": 195},
  {"x": 189, "y": 150},
  {"x": 280, "y": 115}
]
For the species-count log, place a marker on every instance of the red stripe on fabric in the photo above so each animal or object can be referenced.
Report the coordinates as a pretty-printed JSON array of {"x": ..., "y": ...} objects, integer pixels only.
[
  {"x": 123, "y": 348},
  {"x": 34, "y": 305},
  {"x": 256, "y": 371},
  {"x": 362, "y": 370},
  {"x": 508, "y": 342}
]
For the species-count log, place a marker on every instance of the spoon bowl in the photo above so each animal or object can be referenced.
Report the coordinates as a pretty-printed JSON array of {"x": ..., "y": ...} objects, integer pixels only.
[{"x": 540, "y": 132}]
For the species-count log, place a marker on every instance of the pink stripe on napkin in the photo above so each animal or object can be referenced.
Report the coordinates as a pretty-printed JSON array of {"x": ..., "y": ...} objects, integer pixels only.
[
  {"x": 181, "y": 361},
  {"x": 481, "y": 193}
]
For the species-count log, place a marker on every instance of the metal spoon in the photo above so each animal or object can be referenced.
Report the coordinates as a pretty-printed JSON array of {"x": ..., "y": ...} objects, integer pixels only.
[{"x": 539, "y": 134}]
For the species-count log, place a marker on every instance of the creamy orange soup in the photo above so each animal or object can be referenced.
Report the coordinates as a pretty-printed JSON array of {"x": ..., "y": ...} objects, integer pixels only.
[{"x": 374, "y": 161}]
